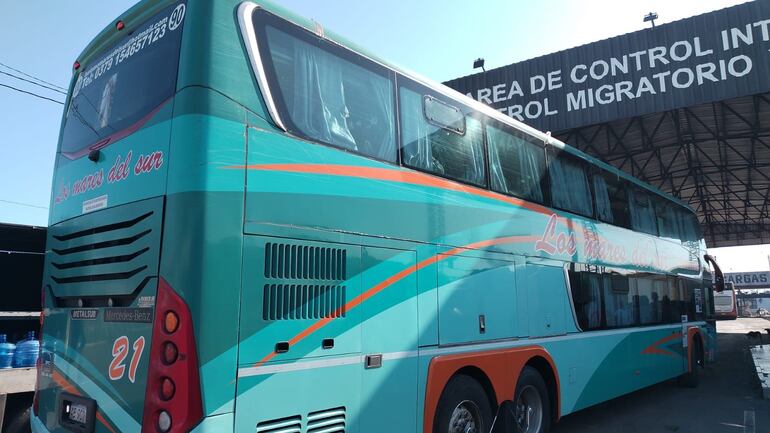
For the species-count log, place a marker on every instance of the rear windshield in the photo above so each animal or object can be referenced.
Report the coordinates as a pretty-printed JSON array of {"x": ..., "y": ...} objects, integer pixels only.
[{"x": 118, "y": 91}]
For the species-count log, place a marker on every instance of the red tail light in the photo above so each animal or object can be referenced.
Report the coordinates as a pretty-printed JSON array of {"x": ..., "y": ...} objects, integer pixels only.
[{"x": 172, "y": 400}]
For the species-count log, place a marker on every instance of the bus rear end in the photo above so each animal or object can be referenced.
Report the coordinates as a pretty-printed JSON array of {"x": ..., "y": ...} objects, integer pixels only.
[{"x": 118, "y": 352}]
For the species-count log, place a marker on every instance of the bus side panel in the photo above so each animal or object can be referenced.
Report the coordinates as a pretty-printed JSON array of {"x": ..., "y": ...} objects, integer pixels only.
[
  {"x": 598, "y": 366},
  {"x": 389, "y": 329}
]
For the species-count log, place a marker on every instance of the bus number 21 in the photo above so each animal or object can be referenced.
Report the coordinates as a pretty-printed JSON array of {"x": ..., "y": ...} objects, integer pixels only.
[{"x": 119, "y": 355}]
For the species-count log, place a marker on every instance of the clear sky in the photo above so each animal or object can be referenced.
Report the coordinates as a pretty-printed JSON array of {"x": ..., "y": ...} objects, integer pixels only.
[{"x": 436, "y": 38}]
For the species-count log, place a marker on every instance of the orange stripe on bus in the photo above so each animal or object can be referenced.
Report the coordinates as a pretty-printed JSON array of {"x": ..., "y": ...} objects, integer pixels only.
[
  {"x": 358, "y": 300},
  {"x": 653, "y": 348},
  {"x": 391, "y": 175}
]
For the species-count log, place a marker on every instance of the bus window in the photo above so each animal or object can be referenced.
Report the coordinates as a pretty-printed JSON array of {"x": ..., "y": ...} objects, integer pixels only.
[
  {"x": 569, "y": 184},
  {"x": 642, "y": 212},
  {"x": 649, "y": 299},
  {"x": 688, "y": 224},
  {"x": 588, "y": 301},
  {"x": 668, "y": 227},
  {"x": 620, "y": 302},
  {"x": 611, "y": 199},
  {"x": 440, "y": 148},
  {"x": 516, "y": 164},
  {"x": 346, "y": 102}
]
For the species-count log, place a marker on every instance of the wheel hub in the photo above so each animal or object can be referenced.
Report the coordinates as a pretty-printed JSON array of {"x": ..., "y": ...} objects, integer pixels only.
[
  {"x": 466, "y": 418},
  {"x": 529, "y": 410}
]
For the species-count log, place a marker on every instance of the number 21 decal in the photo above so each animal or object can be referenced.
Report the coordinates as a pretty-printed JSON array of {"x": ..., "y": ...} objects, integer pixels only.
[{"x": 119, "y": 355}]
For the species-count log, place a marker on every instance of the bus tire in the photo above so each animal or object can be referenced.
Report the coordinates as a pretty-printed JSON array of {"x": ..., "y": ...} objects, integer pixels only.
[
  {"x": 691, "y": 379},
  {"x": 531, "y": 403},
  {"x": 463, "y": 407}
]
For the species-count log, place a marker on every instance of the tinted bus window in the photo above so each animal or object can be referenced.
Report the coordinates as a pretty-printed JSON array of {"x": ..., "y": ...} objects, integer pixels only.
[
  {"x": 328, "y": 94},
  {"x": 642, "y": 212},
  {"x": 516, "y": 164},
  {"x": 587, "y": 297},
  {"x": 125, "y": 85},
  {"x": 668, "y": 225},
  {"x": 688, "y": 226},
  {"x": 649, "y": 291},
  {"x": 569, "y": 184},
  {"x": 430, "y": 146},
  {"x": 611, "y": 199},
  {"x": 620, "y": 307}
]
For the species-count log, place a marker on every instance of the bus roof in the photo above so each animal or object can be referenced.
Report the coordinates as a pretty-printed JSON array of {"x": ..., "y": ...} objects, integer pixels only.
[{"x": 146, "y": 8}]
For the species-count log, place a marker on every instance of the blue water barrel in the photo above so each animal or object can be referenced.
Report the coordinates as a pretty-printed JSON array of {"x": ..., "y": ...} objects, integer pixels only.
[
  {"x": 27, "y": 351},
  {"x": 6, "y": 352}
]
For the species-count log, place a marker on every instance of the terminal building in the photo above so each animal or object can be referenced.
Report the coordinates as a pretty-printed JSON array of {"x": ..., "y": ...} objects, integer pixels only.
[{"x": 684, "y": 106}]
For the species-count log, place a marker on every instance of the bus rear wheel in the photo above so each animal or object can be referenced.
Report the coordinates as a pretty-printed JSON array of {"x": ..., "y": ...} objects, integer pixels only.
[
  {"x": 463, "y": 407},
  {"x": 531, "y": 404}
]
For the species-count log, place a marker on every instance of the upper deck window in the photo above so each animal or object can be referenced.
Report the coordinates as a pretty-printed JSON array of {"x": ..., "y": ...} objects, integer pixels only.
[
  {"x": 516, "y": 163},
  {"x": 327, "y": 93},
  {"x": 611, "y": 197},
  {"x": 642, "y": 212},
  {"x": 569, "y": 184},
  {"x": 441, "y": 149},
  {"x": 118, "y": 90}
]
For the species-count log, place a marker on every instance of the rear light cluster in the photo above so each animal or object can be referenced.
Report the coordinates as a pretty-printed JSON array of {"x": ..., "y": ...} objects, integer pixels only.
[{"x": 173, "y": 396}]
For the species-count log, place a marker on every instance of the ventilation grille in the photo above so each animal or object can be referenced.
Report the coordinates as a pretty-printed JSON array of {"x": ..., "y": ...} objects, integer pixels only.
[
  {"x": 97, "y": 247},
  {"x": 101, "y": 256},
  {"x": 304, "y": 262},
  {"x": 326, "y": 421},
  {"x": 292, "y": 424},
  {"x": 303, "y": 301}
]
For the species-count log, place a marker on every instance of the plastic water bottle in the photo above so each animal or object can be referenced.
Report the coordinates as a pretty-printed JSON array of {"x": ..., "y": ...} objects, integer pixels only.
[
  {"x": 27, "y": 351},
  {"x": 6, "y": 352}
]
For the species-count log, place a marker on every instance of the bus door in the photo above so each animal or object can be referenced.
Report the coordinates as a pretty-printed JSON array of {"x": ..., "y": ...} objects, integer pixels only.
[{"x": 389, "y": 342}]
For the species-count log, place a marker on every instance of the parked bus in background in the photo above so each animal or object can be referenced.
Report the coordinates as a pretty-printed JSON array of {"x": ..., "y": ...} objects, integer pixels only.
[
  {"x": 725, "y": 303},
  {"x": 255, "y": 225}
]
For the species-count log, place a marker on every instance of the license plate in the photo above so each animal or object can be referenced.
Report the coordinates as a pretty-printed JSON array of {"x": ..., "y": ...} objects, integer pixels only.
[{"x": 77, "y": 413}]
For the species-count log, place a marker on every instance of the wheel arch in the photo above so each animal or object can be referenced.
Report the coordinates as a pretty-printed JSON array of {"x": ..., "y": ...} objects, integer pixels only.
[{"x": 496, "y": 370}]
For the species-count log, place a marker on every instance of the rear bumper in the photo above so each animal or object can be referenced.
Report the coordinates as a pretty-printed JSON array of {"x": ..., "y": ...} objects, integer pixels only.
[{"x": 213, "y": 424}]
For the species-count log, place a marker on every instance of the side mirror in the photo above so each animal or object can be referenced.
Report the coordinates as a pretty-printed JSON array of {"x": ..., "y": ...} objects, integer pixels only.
[{"x": 719, "y": 277}]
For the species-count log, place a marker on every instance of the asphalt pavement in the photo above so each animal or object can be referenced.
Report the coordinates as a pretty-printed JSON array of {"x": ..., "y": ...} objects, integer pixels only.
[{"x": 728, "y": 399}]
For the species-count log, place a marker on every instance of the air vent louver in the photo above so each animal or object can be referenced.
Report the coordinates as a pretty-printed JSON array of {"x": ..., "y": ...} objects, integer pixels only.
[
  {"x": 304, "y": 262},
  {"x": 292, "y": 424},
  {"x": 309, "y": 282},
  {"x": 326, "y": 421},
  {"x": 303, "y": 301}
]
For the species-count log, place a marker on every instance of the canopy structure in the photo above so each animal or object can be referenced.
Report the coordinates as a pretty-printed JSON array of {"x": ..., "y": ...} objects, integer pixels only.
[
  {"x": 684, "y": 106},
  {"x": 714, "y": 156}
]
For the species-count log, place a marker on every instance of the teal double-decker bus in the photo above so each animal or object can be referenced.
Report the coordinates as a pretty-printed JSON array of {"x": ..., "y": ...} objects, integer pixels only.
[{"x": 256, "y": 226}]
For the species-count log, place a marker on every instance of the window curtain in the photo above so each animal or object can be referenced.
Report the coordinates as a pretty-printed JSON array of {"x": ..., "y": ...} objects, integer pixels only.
[
  {"x": 602, "y": 199},
  {"x": 414, "y": 131},
  {"x": 569, "y": 187},
  {"x": 520, "y": 159},
  {"x": 532, "y": 162},
  {"x": 593, "y": 308},
  {"x": 385, "y": 140},
  {"x": 642, "y": 213},
  {"x": 318, "y": 107}
]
